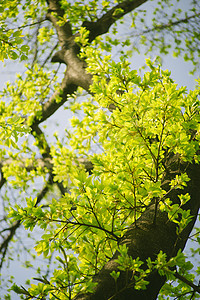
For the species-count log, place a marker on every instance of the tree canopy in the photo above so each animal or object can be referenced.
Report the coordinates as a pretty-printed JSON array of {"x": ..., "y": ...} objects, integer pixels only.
[{"x": 109, "y": 206}]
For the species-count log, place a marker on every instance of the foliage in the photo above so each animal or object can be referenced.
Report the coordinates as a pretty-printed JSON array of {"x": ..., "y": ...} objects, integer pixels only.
[
  {"x": 11, "y": 39},
  {"x": 127, "y": 129},
  {"x": 171, "y": 29},
  {"x": 127, "y": 172}
]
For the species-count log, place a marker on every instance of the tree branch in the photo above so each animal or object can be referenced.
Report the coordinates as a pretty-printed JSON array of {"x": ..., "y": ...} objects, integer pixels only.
[
  {"x": 54, "y": 13},
  {"x": 24, "y": 26},
  {"x": 196, "y": 288},
  {"x": 12, "y": 229},
  {"x": 43, "y": 163},
  {"x": 56, "y": 100},
  {"x": 88, "y": 225},
  {"x": 75, "y": 74},
  {"x": 4, "y": 245},
  {"x": 103, "y": 24},
  {"x": 168, "y": 25}
]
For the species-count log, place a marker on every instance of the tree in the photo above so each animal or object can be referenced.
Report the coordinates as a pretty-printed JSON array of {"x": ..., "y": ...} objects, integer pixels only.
[{"x": 118, "y": 197}]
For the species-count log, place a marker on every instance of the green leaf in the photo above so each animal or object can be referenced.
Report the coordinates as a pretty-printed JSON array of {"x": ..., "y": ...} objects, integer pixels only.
[{"x": 13, "y": 55}]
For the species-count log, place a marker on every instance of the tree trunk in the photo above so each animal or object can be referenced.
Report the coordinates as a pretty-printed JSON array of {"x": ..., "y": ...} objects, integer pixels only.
[{"x": 146, "y": 239}]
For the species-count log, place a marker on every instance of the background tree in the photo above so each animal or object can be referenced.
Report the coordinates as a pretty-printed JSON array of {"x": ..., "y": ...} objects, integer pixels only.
[{"x": 116, "y": 199}]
